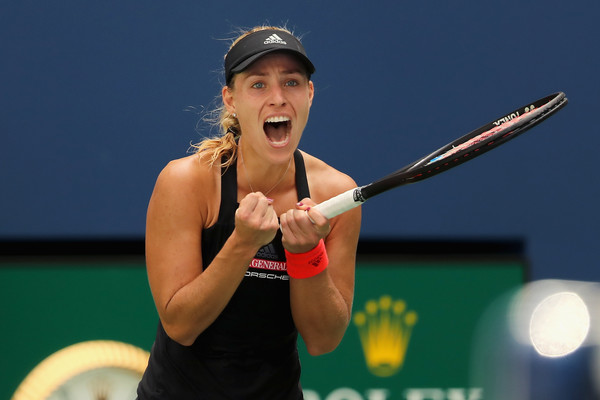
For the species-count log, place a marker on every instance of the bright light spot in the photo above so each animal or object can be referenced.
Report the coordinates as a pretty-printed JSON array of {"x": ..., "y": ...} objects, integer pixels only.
[{"x": 559, "y": 324}]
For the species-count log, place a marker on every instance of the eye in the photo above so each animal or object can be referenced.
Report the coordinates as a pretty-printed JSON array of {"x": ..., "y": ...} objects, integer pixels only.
[
  {"x": 258, "y": 85},
  {"x": 292, "y": 82}
]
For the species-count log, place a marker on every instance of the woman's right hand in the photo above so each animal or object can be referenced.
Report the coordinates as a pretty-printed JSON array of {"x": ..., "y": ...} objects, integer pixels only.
[{"x": 255, "y": 220}]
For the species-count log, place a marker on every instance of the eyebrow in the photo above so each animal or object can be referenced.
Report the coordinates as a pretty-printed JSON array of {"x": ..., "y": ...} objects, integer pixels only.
[{"x": 284, "y": 72}]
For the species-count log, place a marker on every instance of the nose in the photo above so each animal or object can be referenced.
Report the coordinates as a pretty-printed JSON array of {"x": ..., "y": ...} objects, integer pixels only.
[{"x": 277, "y": 96}]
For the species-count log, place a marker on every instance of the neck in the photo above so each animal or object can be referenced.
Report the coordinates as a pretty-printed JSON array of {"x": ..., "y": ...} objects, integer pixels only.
[{"x": 260, "y": 176}]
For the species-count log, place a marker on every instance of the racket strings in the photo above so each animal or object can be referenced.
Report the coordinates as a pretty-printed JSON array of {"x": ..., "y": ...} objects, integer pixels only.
[
  {"x": 501, "y": 131},
  {"x": 481, "y": 137}
]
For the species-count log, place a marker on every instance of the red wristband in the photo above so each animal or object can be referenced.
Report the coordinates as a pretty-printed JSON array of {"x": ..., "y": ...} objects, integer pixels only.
[{"x": 305, "y": 265}]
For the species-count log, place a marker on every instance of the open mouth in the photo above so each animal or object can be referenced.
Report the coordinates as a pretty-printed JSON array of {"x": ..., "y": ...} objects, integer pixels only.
[{"x": 277, "y": 130}]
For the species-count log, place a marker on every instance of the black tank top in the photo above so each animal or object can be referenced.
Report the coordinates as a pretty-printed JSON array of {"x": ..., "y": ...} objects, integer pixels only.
[{"x": 249, "y": 351}]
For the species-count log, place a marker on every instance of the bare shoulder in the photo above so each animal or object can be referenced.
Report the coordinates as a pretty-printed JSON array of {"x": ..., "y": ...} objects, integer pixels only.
[
  {"x": 324, "y": 180},
  {"x": 191, "y": 183},
  {"x": 189, "y": 167},
  {"x": 185, "y": 174}
]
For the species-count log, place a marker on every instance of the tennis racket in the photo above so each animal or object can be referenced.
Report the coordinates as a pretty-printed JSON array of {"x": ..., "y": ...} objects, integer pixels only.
[{"x": 461, "y": 150}]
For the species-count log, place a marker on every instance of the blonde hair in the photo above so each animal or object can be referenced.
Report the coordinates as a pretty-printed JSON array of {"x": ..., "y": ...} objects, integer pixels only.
[{"x": 222, "y": 149}]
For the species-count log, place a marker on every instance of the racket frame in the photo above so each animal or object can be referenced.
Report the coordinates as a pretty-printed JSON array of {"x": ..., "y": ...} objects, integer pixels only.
[{"x": 505, "y": 128}]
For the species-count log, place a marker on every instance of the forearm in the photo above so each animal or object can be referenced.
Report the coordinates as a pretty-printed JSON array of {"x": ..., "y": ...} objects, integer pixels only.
[
  {"x": 321, "y": 312},
  {"x": 321, "y": 299},
  {"x": 189, "y": 294},
  {"x": 196, "y": 305}
]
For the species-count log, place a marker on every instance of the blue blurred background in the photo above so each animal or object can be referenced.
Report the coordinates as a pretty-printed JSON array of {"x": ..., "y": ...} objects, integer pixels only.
[{"x": 96, "y": 97}]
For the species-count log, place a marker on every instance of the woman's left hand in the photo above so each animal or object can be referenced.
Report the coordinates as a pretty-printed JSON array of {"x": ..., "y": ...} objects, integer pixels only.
[{"x": 303, "y": 227}]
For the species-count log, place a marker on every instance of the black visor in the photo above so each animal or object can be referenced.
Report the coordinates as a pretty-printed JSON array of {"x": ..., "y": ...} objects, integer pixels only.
[{"x": 260, "y": 43}]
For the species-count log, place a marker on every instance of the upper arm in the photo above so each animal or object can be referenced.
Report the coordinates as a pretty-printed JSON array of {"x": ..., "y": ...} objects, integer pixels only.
[
  {"x": 341, "y": 244},
  {"x": 176, "y": 216},
  {"x": 342, "y": 240}
]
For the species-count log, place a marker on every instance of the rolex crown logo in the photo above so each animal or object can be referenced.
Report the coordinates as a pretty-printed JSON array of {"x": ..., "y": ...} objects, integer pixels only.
[{"x": 385, "y": 327}]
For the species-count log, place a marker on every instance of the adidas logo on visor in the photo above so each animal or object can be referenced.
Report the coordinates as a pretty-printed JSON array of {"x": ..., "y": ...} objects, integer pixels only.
[{"x": 274, "y": 39}]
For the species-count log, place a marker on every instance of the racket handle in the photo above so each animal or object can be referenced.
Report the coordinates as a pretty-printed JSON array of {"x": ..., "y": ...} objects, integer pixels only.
[{"x": 341, "y": 203}]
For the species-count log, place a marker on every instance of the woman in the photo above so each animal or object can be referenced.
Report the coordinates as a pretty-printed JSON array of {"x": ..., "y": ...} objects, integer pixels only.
[{"x": 238, "y": 261}]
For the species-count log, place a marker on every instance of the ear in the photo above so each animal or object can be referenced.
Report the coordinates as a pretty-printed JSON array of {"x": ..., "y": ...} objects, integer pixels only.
[
  {"x": 227, "y": 95},
  {"x": 311, "y": 92}
]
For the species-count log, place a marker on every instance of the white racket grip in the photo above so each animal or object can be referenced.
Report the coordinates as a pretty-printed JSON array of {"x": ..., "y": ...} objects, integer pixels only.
[{"x": 340, "y": 203}]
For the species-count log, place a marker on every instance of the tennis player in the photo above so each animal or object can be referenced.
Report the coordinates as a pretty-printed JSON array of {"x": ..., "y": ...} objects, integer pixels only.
[{"x": 237, "y": 260}]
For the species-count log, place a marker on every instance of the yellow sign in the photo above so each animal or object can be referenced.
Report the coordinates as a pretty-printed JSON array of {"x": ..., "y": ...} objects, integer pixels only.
[{"x": 385, "y": 327}]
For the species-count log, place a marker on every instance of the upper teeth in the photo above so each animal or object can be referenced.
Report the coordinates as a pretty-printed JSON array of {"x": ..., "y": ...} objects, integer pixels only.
[{"x": 277, "y": 119}]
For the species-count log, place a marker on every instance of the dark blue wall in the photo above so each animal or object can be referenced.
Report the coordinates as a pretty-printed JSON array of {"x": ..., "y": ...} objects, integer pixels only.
[{"x": 96, "y": 97}]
